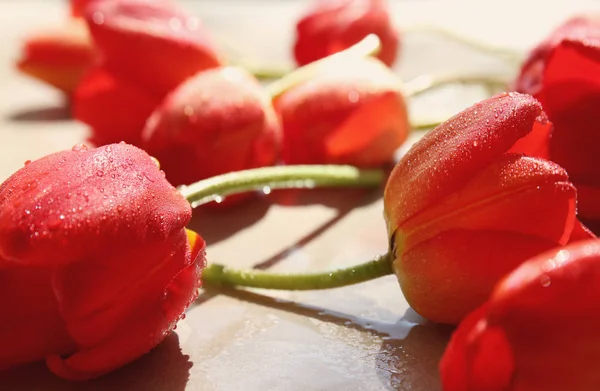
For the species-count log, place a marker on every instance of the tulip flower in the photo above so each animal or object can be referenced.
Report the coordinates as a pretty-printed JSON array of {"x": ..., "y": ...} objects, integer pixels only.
[
  {"x": 330, "y": 26},
  {"x": 148, "y": 49},
  {"x": 350, "y": 113},
  {"x": 59, "y": 56},
  {"x": 96, "y": 266},
  {"x": 537, "y": 332},
  {"x": 466, "y": 205},
  {"x": 562, "y": 73},
  {"x": 218, "y": 121}
]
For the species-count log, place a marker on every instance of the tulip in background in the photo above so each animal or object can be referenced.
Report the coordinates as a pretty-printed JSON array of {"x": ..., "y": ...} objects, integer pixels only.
[
  {"x": 537, "y": 332},
  {"x": 464, "y": 207},
  {"x": 96, "y": 266},
  {"x": 148, "y": 49},
  {"x": 330, "y": 26},
  {"x": 218, "y": 121},
  {"x": 344, "y": 113},
  {"x": 59, "y": 56},
  {"x": 563, "y": 74}
]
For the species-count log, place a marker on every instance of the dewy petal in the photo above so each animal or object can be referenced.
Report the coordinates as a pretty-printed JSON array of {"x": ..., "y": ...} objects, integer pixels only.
[
  {"x": 449, "y": 275},
  {"x": 547, "y": 309},
  {"x": 71, "y": 204},
  {"x": 135, "y": 320},
  {"x": 519, "y": 194},
  {"x": 218, "y": 121},
  {"x": 153, "y": 43},
  {"x": 113, "y": 107},
  {"x": 324, "y": 118},
  {"x": 59, "y": 56},
  {"x": 448, "y": 157}
]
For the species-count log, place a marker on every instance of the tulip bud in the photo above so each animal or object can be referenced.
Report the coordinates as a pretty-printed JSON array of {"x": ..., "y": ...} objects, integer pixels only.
[
  {"x": 95, "y": 262},
  {"x": 218, "y": 121},
  {"x": 59, "y": 56},
  {"x": 562, "y": 73},
  {"x": 331, "y": 26},
  {"x": 537, "y": 332},
  {"x": 350, "y": 111},
  {"x": 466, "y": 205}
]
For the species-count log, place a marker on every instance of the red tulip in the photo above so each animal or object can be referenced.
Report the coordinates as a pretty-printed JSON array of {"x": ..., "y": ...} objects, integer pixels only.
[
  {"x": 218, "y": 121},
  {"x": 353, "y": 113},
  {"x": 148, "y": 49},
  {"x": 563, "y": 74},
  {"x": 537, "y": 332},
  {"x": 331, "y": 26},
  {"x": 59, "y": 56},
  {"x": 466, "y": 205},
  {"x": 96, "y": 266}
]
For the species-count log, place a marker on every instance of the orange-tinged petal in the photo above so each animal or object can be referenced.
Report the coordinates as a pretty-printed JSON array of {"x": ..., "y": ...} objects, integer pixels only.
[
  {"x": 451, "y": 274},
  {"x": 59, "y": 56}
]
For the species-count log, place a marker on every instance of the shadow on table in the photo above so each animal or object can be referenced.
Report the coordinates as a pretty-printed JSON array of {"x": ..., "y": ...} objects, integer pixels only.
[
  {"x": 43, "y": 114},
  {"x": 165, "y": 368}
]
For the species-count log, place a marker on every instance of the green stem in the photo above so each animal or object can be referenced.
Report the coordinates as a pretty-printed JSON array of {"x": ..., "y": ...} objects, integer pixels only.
[
  {"x": 507, "y": 53},
  {"x": 369, "y": 46},
  {"x": 425, "y": 83},
  {"x": 215, "y": 274},
  {"x": 280, "y": 177}
]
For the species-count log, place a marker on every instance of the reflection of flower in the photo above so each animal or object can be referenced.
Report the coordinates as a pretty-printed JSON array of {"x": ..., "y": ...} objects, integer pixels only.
[
  {"x": 563, "y": 74},
  {"x": 537, "y": 332},
  {"x": 218, "y": 121},
  {"x": 96, "y": 266},
  {"x": 148, "y": 49},
  {"x": 331, "y": 26},
  {"x": 345, "y": 113},
  {"x": 465, "y": 206},
  {"x": 59, "y": 56}
]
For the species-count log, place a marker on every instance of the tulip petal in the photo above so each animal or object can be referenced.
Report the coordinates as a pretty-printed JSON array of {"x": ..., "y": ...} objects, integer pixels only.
[
  {"x": 216, "y": 122},
  {"x": 115, "y": 109},
  {"x": 463, "y": 145},
  {"x": 449, "y": 275},
  {"x": 89, "y": 198},
  {"x": 155, "y": 43},
  {"x": 59, "y": 56},
  {"x": 31, "y": 326},
  {"x": 513, "y": 194}
]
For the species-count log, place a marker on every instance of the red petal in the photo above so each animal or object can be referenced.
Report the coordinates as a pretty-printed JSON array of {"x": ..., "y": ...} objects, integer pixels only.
[
  {"x": 153, "y": 43},
  {"x": 218, "y": 121},
  {"x": 71, "y": 204},
  {"x": 449, "y": 156},
  {"x": 115, "y": 109},
  {"x": 451, "y": 274}
]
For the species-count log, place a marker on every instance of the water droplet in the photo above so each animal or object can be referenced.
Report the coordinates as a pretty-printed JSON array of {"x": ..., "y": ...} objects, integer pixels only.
[
  {"x": 79, "y": 148},
  {"x": 108, "y": 148},
  {"x": 98, "y": 17},
  {"x": 545, "y": 280},
  {"x": 475, "y": 143},
  {"x": 353, "y": 96},
  {"x": 55, "y": 221},
  {"x": 266, "y": 190},
  {"x": 100, "y": 173}
]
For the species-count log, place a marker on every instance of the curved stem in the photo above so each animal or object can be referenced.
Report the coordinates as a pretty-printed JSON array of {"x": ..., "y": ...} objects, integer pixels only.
[
  {"x": 508, "y": 53},
  {"x": 215, "y": 274},
  {"x": 369, "y": 46},
  {"x": 424, "y": 83},
  {"x": 281, "y": 177}
]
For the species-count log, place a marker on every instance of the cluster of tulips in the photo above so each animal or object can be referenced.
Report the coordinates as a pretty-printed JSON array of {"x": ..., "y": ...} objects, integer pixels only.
[{"x": 490, "y": 216}]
